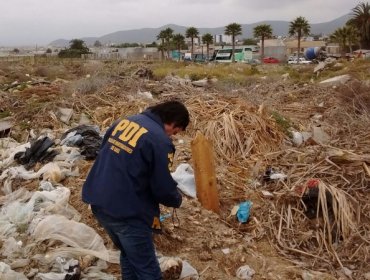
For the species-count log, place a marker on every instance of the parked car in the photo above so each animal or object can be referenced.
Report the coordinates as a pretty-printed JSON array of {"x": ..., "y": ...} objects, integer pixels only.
[
  {"x": 270, "y": 59},
  {"x": 294, "y": 60}
]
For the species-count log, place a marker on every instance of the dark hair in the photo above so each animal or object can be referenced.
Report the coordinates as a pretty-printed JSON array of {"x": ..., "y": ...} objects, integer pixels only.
[{"x": 172, "y": 112}]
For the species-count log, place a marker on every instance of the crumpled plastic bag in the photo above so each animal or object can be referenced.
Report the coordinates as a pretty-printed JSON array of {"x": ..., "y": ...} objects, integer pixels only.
[
  {"x": 72, "y": 233},
  {"x": 245, "y": 272},
  {"x": 38, "y": 152},
  {"x": 184, "y": 176},
  {"x": 9, "y": 148},
  {"x": 52, "y": 171},
  {"x": 67, "y": 269},
  {"x": 188, "y": 272},
  {"x": 89, "y": 142},
  {"x": 16, "y": 214},
  {"x": 7, "y": 273}
]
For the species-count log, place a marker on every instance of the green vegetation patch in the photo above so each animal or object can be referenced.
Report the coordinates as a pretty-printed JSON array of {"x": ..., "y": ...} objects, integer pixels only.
[
  {"x": 284, "y": 123},
  {"x": 4, "y": 114}
]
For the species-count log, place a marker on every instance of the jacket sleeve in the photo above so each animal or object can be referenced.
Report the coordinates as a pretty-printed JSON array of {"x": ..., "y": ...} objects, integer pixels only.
[{"x": 163, "y": 186}]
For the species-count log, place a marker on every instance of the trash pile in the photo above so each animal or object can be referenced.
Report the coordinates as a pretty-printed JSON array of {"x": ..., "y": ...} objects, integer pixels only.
[{"x": 293, "y": 177}]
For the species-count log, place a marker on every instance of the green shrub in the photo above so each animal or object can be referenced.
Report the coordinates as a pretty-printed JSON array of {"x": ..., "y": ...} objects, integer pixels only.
[
  {"x": 4, "y": 114},
  {"x": 71, "y": 53},
  {"x": 283, "y": 123},
  {"x": 87, "y": 85}
]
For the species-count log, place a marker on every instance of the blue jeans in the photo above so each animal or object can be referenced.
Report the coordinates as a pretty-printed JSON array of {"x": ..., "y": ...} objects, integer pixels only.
[{"x": 138, "y": 260}]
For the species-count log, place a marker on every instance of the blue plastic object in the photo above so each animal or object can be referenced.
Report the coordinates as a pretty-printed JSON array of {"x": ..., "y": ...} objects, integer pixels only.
[
  {"x": 163, "y": 217},
  {"x": 243, "y": 211}
]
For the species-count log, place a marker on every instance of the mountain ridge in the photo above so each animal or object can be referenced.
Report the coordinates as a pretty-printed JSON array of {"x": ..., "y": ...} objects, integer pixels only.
[{"x": 149, "y": 35}]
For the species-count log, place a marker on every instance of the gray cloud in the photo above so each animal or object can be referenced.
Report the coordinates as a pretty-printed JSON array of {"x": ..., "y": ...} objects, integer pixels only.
[{"x": 39, "y": 22}]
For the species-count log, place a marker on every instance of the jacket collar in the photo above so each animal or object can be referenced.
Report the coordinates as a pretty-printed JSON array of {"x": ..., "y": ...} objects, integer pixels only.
[{"x": 154, "y": 117}]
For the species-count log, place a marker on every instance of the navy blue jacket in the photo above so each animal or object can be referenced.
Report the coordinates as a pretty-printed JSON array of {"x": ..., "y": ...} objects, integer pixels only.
[{"x": 131, "y": 175}]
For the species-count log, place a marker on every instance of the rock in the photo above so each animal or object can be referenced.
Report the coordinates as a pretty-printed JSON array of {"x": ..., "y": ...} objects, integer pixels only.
[
  {"x": 201, "y": 83},
  {"x": 319, "y": 135},
  {"x": 336, "y": 80},
  {"x": 65, "y": 114},
  {"x": 319, "y": 67}
]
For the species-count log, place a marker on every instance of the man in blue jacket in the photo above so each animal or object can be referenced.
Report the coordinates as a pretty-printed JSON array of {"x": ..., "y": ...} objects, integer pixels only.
[{"x": 130, "y": 178}]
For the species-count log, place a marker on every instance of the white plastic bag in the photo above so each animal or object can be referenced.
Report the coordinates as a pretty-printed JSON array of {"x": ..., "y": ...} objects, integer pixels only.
[
  {"x": 7, "y": 273},
  {"x": 245, "y": 272},
  {"x": 184, "y": 176},
  {"x": 74, "y": 234}
]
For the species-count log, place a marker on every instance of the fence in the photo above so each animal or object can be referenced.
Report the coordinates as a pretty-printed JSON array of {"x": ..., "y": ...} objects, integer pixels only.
[{"x": 140, "y": 56}]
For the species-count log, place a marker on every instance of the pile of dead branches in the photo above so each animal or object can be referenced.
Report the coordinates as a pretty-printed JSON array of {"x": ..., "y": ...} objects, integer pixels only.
[{"x": 235, "y": 127}]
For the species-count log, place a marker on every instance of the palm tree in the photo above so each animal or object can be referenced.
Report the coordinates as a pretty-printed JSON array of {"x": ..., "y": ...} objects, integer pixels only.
[
  {"x": 168, "y": 34},
  {"x": 263, "y": 31},
  {"x": 192, "y": 33},
  {"x": 207, "y": 39},
  {"x": 179, "y": 40},
  {"x": 345, "y": 36},
  {"x": 301, "y": 27},
  {"x": 233, "y": 30},
  {"x": 353, "y": 36},
  {"x": 340, "y": 36},
  {"x": 361, "y": 20},
  {"x": 161, "y": 36}
]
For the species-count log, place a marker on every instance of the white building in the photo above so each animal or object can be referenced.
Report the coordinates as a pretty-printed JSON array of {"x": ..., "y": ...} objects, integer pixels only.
[{"x": 222, "y": 38}]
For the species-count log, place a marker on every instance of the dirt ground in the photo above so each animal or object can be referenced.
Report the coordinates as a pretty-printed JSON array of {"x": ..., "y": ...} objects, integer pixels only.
[{"x": 253, "y": 126}]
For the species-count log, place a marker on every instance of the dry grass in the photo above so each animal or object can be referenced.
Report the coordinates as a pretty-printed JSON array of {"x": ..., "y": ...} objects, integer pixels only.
[
  {"x": 235, "y": 127},
  {"x": 89, "y": 85},
  {"x": 51, "y": 72},
  {"x": 335, "y": 223},
  {"x": 355, "y": 97}
]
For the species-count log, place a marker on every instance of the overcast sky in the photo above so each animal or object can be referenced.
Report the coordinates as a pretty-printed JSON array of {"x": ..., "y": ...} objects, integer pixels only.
[{"x": 31, "y": 22}]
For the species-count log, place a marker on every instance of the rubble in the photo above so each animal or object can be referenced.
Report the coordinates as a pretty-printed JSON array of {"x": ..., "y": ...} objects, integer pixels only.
[{"x": 46, "y": 231}]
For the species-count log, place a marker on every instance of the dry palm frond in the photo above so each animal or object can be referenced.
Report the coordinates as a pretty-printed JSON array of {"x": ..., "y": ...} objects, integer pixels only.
[
  {"x": 235, "y": 127},
  {"x": 334, "y": 223},
  {"x": 343, "y": 220}
]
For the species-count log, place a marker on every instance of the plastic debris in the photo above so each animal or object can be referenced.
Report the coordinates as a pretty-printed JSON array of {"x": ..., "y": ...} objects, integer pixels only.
[
  {"x": 38, "y": 152},
  {"x": 163, "y": 217},
  {"x": 271, "y": 174},
  {"x": 226, "y": 251},
  {"x": 184, "y": 176},
  {"x": 65, "y": 114},
  {"x": 90, "y": 142},
  {"x": 7, "y": 273},
  {"x": 188, "y": 272},
  {"x": 171, "y": 267},
  {"x": 5, "y": 125},
  {"x": 244, "y": 211},
  {"x": 245, "y": 272}
]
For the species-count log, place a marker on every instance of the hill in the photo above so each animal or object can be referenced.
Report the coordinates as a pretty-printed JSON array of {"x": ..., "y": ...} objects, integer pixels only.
[{"x": 148, "y": 35}]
